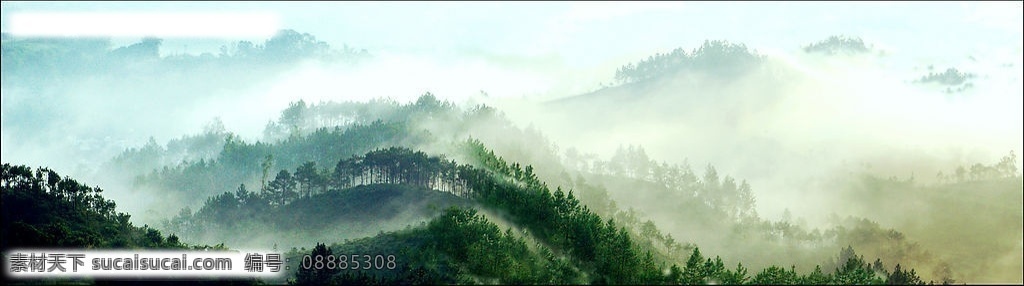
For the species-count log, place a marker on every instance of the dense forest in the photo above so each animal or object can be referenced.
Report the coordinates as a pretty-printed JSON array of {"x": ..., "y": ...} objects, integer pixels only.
[
  {"x": 398, "y": 176},
  {"x": 706, "y": 198},
  {"x": 458, "y": 246},
  {"x": 43, "y": 209}
]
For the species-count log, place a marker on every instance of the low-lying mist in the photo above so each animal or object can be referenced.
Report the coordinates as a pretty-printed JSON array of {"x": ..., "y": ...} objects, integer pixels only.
[
  {"x": 79, "y": 110},
  {"x": 796, "y": 116},
  {"x": 804, "y": 129},
  {"x": 815, "y": 136}
]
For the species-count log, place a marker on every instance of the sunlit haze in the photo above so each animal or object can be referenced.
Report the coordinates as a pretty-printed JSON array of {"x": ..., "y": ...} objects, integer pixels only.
[{"x": 767, "y": 133}]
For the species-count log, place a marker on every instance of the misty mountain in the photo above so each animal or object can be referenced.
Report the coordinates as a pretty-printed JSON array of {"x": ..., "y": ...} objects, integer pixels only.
[
  {"x": 675, "y": 83},
  {"x": 681, "y": 115},
  {"x": 437, "y": 238},
  {"x": 716, "y": 163},
  {"x": 514, "y": 195},
  {"x": 718, "y": 59},
  {"x": 360, "y": 196},
  {"x": 721, "y": 208},
  {"x": 48, "y": 85}
]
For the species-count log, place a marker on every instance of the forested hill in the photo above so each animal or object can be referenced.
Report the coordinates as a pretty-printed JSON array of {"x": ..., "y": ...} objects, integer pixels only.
[
  {"x": 779, "y": 108},
  {"x": 712, "y": 64},
  {"x": 189, "y": 169},
  {"x": 324, "y": 184},
  {"x": 43, "y": 209},
  {"x": 719, "y": 59},
  {"x": 514, "y": 222},
  {"x": 383, "y": 190},
  {"x": 570, "y": 243}
]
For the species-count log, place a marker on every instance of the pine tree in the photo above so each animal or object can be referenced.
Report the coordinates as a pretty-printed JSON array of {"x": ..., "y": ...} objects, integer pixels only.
[
  {"x": 319, "y": 273},
  {"x": 694, "y": 271}
]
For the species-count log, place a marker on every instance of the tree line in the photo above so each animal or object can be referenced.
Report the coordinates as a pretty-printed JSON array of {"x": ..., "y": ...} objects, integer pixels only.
[
  {"x": 392, "y": 165},
  {"x": 1005, "y": 168},
  {"x": 838, "y": 44},
  {"x": 725, "y": 194},
  {"x": 717, "y": 58}
]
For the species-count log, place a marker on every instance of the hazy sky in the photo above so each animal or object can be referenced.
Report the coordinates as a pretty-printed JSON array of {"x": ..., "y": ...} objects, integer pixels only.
[
  {"x": 555, "y": 49},
  {"x": 589, "y": 33}
]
